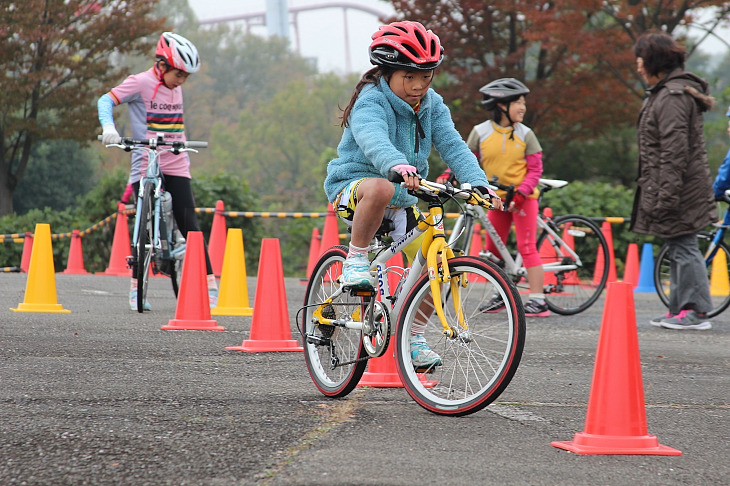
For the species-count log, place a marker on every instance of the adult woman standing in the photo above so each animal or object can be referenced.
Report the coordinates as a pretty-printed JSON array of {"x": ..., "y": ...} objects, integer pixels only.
[{"x": 674, "y": 198}]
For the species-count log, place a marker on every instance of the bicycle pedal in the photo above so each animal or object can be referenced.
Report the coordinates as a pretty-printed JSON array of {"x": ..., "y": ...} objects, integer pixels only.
[
  {"x": 360, "y": 290},
  {"x": 427, "y": 370}
]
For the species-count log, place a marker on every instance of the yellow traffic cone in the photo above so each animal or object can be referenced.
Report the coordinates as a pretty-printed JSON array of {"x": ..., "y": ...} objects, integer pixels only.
[
  {"x": 233, "y": 293},
  {"x": 40, "y": 289},
  {"x": 719, "y": 281}
]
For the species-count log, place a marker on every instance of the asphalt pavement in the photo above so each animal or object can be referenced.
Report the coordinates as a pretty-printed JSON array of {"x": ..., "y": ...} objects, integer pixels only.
[{"x": 102, "y": 396}]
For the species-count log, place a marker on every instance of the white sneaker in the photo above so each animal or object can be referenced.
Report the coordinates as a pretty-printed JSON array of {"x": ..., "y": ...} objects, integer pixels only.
[
  {"x": 422, "y": 356},
  {"x": 356, "y": 272}
]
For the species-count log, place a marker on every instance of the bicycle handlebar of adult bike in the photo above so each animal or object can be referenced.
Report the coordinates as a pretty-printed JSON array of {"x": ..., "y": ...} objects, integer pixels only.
[{"x": 127, "y": 143}]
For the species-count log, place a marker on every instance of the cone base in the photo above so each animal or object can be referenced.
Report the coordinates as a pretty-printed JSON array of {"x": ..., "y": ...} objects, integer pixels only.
[
  {"x": 192, "y": 325},
  {"x": 115, "y": 273},
  {"x": 381, "y": 380},
  {"x": 55, "y": 308},
  {"x": 75, "y": 272},
  {"x": 648, "y": 290},
  {"x": 584, "y": 443},
  {"x": 231, "y": 311},
  {"x": 266, "y": 345}
]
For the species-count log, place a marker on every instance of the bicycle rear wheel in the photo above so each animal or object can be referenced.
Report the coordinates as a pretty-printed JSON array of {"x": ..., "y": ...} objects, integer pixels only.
[
  {"x": 719, "y": 265},
  {"x": 478, "y": 364},
  {"x": 569, "y": 292},
  {"x": 145, "y": 245},
  {"x": 335, "y": 355}
]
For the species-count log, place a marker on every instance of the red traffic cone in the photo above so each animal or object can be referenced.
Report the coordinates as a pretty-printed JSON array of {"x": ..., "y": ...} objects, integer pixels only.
[
  {"x": 606, "y": 230},
  {"x": 75, "y": 263},
  {"x": 120, "y": 247},
  {"x": 382, "y": 371},
  {"x": 631, "y": 271},
  {"x": 314, "y": 246},
  {"x": 270, "y": 329},
  {"x": 476, "y": 247},
  {"x": 616, "y": 417},
  {"x": 217, "y": 240},
  {"x": 193, "y": 306},
  {"x": 27, "y": 250},
  {"x": 330, "y": 234}
]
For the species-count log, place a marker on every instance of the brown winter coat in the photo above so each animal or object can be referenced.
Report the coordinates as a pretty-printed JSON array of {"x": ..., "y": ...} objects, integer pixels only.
[{"x": 674, "y": 188}]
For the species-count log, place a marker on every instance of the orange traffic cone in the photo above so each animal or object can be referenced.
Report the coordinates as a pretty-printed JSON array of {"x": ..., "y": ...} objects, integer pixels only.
[
  {"x": 27, "y": 250},
  {"x": 75, "y": 263},
  {"x": 120, "y": 247},
  {"x": 314, "y": 246},
  {"x": 193, "y": 306},
  {"x": 233, "y": 293},
  {"x": 217, "y": 240},
  {"x": 631, "y": 272},
  {"x": 330, "y": 234},
  {"x": 270, "y": 329},
  {"x": 616, "y": 417},
  {"x": 382, "y": 372},
  {"x": 606, "y": 230},
  {"x": 40, "y": 289}
]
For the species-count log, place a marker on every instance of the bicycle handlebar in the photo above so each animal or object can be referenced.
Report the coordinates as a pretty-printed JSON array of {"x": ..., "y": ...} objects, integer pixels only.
[
  {"x": 465, "y": 191},
  {"x": 127, "y": 143}
]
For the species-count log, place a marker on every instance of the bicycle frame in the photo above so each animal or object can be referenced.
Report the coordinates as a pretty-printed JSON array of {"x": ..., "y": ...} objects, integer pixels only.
[
  {"x": 153, "y": 175},
  {"x": 433, "y": 247},
  {"x": 513, "y": 265},
  {"x": 717, "y": 238}
]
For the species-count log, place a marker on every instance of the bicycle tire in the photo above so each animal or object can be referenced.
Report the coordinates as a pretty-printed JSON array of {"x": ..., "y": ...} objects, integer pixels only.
[
  {"x": 721, "y": 301},
  {"x": 329, "y": 375},
  {"x": 476, "y": 366},
  {"x": 144, "y": 245},
  {"x": 571, "y": 292}
]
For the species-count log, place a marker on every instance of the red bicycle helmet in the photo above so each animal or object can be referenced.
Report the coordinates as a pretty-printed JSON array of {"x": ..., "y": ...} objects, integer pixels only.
[
  {"x": 178, "y": 52},
  {"x": 406, "y": 45}
]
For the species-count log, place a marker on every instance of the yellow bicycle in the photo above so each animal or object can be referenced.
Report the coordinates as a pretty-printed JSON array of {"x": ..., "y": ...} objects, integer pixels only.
[{"x": 441, "y": 292}]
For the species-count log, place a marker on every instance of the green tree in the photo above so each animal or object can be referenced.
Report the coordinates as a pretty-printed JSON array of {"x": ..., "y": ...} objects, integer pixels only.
[
  {"x": 575, "y": 55},
  {"x": 59, "y": 173},
  {"x": 54, "y": 54}
]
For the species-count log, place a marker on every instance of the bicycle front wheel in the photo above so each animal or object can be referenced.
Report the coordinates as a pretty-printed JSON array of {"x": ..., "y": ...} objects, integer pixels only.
[
  {"x": 145, "y": 245},
  {"x": 576, "y": 262},
  {"x": 335, "y": 354},
  {"x": 719, "y": 266},
  {"x": 476, "y": 364}
]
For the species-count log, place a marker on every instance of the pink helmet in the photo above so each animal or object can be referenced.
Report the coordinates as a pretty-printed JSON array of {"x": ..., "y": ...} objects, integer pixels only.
[
  {"x": 178, "y": 52},
  {"x": 406, "y": 45}
]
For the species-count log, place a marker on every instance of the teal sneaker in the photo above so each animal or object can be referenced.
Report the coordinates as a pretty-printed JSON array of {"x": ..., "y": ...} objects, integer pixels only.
[
  {"x": 133, "y": 301},
  {"x": 356, "y": 272},
  {"x": 422, "y": 356}
]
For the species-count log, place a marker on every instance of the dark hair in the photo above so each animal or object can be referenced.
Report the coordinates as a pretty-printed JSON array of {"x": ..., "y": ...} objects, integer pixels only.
[
  {"x": 370, "y": 77},
  {"x": 660, "y": 53}
]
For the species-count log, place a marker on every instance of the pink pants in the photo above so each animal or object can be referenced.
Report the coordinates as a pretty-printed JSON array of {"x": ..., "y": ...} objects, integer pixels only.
[{"x": 525, "y": 220}]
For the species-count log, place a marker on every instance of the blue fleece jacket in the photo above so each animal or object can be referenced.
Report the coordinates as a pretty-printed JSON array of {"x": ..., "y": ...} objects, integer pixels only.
[{"x": 382, "y": 134}]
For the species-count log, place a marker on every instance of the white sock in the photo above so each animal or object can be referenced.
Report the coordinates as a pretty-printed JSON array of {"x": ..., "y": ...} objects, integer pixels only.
[
  {"x": 539, "y": 297},
  {"x": 211, "y": 282},
  {"x": 356, "y": 251}
]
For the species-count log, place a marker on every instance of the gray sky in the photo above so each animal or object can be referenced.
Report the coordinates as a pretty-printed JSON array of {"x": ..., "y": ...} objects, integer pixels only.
[{"x": 321, "y": 32}]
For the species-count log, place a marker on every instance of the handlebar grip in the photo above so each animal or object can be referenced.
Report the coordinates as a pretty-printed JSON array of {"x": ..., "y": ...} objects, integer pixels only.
[
  {"x": 194, "y": 144},
  {"x": 394, "y": 176}
]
